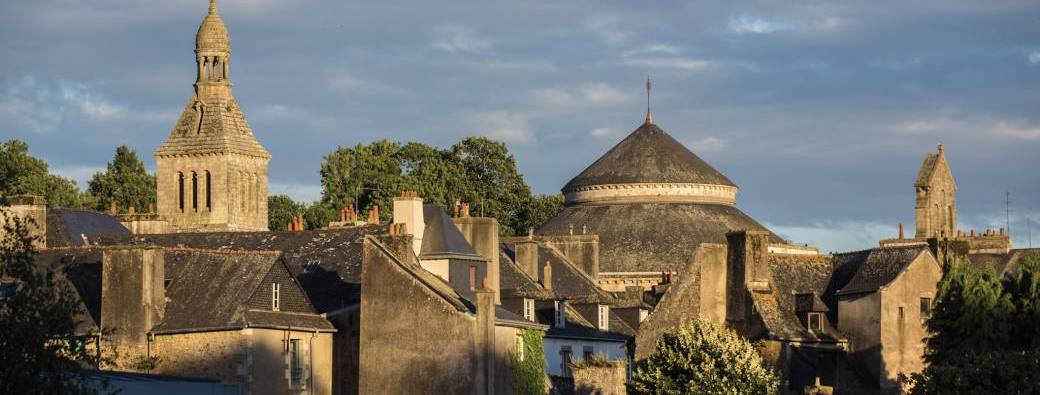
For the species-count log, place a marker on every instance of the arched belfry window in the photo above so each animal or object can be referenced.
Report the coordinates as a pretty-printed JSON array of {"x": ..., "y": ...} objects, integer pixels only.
[
  {"x": 209, "y": 184},
  {"x": 180, "y": 190},
  {"x": 194, "y": 191}
]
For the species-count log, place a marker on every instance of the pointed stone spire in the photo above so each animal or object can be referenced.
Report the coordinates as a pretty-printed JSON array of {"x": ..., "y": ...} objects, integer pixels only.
[{"x": 649, "y": 115}]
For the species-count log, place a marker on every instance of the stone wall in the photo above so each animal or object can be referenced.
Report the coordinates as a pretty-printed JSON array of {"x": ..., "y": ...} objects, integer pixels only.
[
  {"x": 133, "y": 296},
  {"x": 32, "y": 208},
  {"x": 482, "y": 234},
  {"x": 237, "y": 194},
  {"x": 600, "y": 380},
  {"x": 902, "y": 326}
]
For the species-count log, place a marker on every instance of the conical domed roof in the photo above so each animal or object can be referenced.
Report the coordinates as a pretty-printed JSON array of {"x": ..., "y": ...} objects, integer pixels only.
[
  {"x": 648, "y": 155},
  {"x": 213, "y": 35}
]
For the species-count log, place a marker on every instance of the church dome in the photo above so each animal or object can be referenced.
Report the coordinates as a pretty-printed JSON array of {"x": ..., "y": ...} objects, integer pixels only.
[
  {"x": 651, "y": 165},
  {"x": 213, "y": 35}
]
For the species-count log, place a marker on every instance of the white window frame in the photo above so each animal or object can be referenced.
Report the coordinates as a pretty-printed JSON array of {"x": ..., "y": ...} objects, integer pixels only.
[
  {"x": 561, "y": 315},
  {"x": 276, "y": 296},
  {"x": 529, "y": 309},
  {"x": 604, "y": 317}
]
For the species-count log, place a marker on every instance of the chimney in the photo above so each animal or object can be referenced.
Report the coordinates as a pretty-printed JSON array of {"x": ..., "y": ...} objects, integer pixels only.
[
  {"x": 748, "y": 269},
  {"x": 373, "y": 215},
  {"x": 901, "y": 235},
  {"x": 484, "y": 337},
  {"x": 527, "y": 257},
  {"x": 482, "y": 234},
  {"x": 113, "y": 208},
  {"x": 408, "y": 210},
  {"x": 464, "y": 210},
  {"x": 1001, "y": 230},
  {"x": 151, "y": 208},
  {"x": 973, "y": 233},
  {"x": 133, "y": 298},
  {"x": 546, "y": 277},
  {"x": 131, "y": 210}
]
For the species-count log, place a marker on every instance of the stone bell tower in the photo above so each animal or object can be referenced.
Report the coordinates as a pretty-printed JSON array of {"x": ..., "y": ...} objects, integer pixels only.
[
  {"x": 211, "y": 170},
  {"x": 935, "y": 213}
]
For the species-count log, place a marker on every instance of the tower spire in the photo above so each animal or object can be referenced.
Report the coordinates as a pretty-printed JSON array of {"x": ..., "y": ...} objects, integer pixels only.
[
  {"x": 212, "y": 7},
  {"x": 649, "y": 115}
]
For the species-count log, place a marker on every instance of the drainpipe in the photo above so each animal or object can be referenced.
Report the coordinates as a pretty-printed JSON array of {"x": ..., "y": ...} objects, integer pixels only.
[
  {"x": 148, "y": 350},
  {"x": 310, "y": 369}
]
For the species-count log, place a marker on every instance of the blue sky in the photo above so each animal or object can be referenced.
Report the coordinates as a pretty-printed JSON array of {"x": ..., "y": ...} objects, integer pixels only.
[{"x": 819, "y": 111}]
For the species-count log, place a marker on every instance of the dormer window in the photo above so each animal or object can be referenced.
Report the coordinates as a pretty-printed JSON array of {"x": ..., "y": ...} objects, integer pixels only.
[
  {"x": 276, "y": 294},
  {"x": 529, "y": 309},
  {"x": 561, "y": 315},
  {"x": 816, "y": 322},
  {"x": 604, "y": 317}
]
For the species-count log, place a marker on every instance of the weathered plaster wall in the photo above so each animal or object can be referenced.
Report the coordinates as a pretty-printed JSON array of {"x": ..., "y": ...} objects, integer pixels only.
[
  {"x": 33, "y": 209},
  {"x": 133, "y": 296},
  {"x": 412, "y": 341},
  {"x": 482, "y": 234},
  {"x": 859, "y": 319},
  {"x": 902, "y": 336}
]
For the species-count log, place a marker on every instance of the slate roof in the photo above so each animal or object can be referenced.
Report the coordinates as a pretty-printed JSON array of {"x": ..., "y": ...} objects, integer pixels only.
[
  {"x": 431, "y": 281},
  {"x": 66, "y": 227},
  {"x": 327, "y": 263},
  {"x": 569, "y": 282},
  {"x": 778, "y": 309},
  {"x": 514, "y": 282},
  {"x": 80, "y": 269},
  {"x": 932, "y": 162},
  {"x": 220, "y": 127},
  {"x": 442, "y": 239},
  {"x": 1002, "y": 264},
  {"x": 648, "y": 155},
  {"x": 878, "y": 267},
  {"x": 651, "y": 237},
  {"x": 212, "y": 290}
]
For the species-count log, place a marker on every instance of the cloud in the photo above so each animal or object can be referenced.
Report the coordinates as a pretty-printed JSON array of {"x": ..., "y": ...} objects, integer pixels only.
[
  {"x": 605, "y": 132},
  {"x": 836, "y": 236},
  {"x": 587, "y": 95},
  {"x": 1018, "y": 131},
  {"x": 503, "y": 125},
  {"x": 1034, "y": 57},
  {"x": 675, "y": 63},
  {"x": 744, "y": 25},
  {"x": 90, "y": 104},
  {"x": 1001, "y": 127},
  {"x": 31, "y": 106},
  {"x": 666, "y": 49},
  {"x": 457, "y": 39},
  {"x": 707, "y": 144},
  {"x": 926, "y": 126}
]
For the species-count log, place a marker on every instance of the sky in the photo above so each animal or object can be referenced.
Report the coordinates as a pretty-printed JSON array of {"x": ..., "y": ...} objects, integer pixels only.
[{"x": 821, "y": 112}]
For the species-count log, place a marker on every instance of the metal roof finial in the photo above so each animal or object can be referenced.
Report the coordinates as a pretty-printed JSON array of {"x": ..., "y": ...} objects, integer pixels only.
[{"x": 212, "y": 7}]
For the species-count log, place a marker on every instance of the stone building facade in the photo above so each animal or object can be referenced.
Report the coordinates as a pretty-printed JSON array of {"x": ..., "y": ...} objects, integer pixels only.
[
  {"x": 211, "y": 172},
  {"x": 935, "y": 213}
]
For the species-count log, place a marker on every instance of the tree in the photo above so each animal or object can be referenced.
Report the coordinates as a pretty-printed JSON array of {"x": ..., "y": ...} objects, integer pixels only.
[
  {"x": 21, "y": 173},
  {"x": 983, "y": 333},
  {"x": 40, "y": 351},
  {"x": 125, "y": 181},
  {"x": 280, "y": 211},
  {"x": 318, "y": 215},
  {"x": 475, "y": 170},
  {"x": 539, "y": 210},
  {"x": 699, "y": 357}
]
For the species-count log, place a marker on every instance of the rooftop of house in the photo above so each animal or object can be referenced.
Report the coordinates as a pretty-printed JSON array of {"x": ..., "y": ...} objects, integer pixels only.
[
  {"x": 779, "y": 309},
  {"x": 1002, "y": 264},
  {"x": 442, "y": 239},
  {"x": 75, "y": 227},
  {"x": 869, "y": 270}
]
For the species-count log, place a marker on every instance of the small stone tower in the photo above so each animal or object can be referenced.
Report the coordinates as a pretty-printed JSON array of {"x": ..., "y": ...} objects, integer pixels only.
[
  {"x": 936, "y": 211},
  {"x": 211, "y": 171}
]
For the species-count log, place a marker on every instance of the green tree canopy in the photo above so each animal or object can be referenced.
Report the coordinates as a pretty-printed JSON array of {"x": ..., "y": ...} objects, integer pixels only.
[
  {"x": 280, "y": 211},
  {"x": 125, "y": 181},
  {"x": 984, "y": 332},
  {"x": 21, "y": 173},
  {"x": 476, "y": 170},
  {"x": 40, "y": 349},
  {"x": 700, "y": 357}
]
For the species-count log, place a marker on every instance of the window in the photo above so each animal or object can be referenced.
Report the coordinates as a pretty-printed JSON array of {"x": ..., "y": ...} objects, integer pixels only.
[
  {"x": 901, "y": 315},
  {"x": 276, "y": 291},
  {"x": 295, "y": 364},
  {"x": 194, "y": 191},
  {"x": 816, "y": 322},
  {"x": 209, "y": 183},
  {"x": 604, "y": 317},
  {"x": 7, "y": 290},
  {"x": 180, "y": 190},
  {"x": 529, "y": 309},
  {"x": 586, "y": 353},
  {"x": 926, "y": 307},
  {"x": 565, "y": 361},
  {"x": 561, "y": 317},
  {"x": 472, "y": 278},
  {"x": 519, "y": 347}
]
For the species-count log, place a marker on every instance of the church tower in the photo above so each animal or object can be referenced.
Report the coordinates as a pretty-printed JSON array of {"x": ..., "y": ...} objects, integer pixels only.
[
  {"x": 211, "y": 170},
  {"x": 935, "y": 214}
]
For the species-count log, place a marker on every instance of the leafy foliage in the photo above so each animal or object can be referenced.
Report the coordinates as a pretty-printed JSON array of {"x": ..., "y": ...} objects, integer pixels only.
[
  {"x": 700, "y": 357},
  {"x": 318, "y": 215},
  {"x": 280, "y": 211},
  {"x": 40, "y": 350},
  {"x": 21, "y": 173},
  {"x": 985, "y": 333},
  {"x": 125, "y": 181},
  {"x": 529, "y": 373},
  {"x": 476, "y": 170},
  {"x": 539, "y": 210}
]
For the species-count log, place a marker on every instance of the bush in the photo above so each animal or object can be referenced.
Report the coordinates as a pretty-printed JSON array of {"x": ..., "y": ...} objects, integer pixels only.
[{"x": 699, "y": 357}]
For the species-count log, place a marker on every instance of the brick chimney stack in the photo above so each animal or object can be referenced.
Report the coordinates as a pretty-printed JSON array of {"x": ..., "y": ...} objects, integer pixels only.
[
  {"x": 131, "y": 210},
  {"x": 546, "y": 277},
  {"x": 901, "y": 235},
  {"x": 113, "y": 208},
  {"x": 373, "y": 215},
  {"x": 408, "y": 210}
]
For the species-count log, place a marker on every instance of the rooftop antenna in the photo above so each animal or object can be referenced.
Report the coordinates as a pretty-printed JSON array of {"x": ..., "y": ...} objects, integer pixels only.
[{"x": 649, "y": 116}]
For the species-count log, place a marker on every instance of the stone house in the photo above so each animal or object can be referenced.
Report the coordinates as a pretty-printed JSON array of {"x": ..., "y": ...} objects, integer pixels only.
[{"x": 237, "y": 317}]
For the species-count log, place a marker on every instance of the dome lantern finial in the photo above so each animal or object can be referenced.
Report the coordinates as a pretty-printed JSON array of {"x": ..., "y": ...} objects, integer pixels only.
[
  {"x": 212, "y": 7},
  {"x": 649, "y": 115}
]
